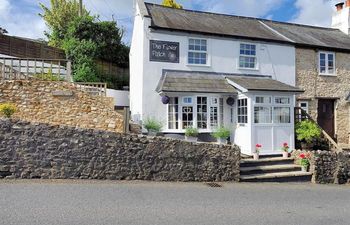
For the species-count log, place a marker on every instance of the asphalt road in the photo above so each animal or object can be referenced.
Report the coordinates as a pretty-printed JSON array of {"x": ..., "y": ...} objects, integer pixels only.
[{"x": 140, "y": 203}]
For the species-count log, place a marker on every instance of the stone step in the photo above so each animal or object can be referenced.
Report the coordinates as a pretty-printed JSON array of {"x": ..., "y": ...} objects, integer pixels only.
[
  {"x": 270, "y": 169},
  {"x": 278, "y": 177},
  {"x": 266, "y": 161}
]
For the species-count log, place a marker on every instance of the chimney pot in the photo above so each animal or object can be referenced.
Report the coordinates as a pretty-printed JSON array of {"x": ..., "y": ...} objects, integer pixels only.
[
  {"x": 341, "y": 4},
  {"x": 347, "y": 3}
]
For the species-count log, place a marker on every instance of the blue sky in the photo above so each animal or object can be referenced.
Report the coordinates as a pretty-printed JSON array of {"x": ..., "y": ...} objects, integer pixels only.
[{"x": 20, "y": 17}]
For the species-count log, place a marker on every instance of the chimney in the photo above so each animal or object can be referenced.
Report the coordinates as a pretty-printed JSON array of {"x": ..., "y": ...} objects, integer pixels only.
[
  {"x": 341, "y": 17},
  {"x": 340, "y": 5}
]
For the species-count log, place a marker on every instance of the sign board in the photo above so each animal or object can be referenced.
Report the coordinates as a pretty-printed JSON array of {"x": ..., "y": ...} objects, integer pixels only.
[{"x": 164, "y": 51}]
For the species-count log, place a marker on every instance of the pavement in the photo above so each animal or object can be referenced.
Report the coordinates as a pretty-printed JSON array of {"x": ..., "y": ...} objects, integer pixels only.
[{"x": 63, "y": 202}]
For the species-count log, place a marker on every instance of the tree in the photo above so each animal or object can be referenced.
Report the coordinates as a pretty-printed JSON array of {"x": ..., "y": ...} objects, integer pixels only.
[
  {"x": 58, "y": 17},
  {"x": 172, "y": 4},
  {"x": 3, "y": 31}
]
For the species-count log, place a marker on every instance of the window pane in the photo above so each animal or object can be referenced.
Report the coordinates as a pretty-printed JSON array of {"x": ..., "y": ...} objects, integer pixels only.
[
  {"x": 242, "y": 111},
  {"x": 202, "y": 114},
  {"x": 282, "y": 115},
  {"x": 187, "y": 117},
  {"x": 282, "y": 100},
  {"x": 262, "y": 115},
  {"x": 173, "y": 113},
  {"x": 213, "y": 117},
  {"x": 263, "y": 99}
]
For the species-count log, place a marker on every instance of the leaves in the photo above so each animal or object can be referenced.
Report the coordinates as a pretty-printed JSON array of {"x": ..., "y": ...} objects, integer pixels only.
[{"x": 307, "y": 131}]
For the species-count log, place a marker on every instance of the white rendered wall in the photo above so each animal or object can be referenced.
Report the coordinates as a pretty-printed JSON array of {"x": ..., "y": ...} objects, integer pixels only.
[
  {"x": 340, "y": 20},
  {"x": 121, "y": 98}
]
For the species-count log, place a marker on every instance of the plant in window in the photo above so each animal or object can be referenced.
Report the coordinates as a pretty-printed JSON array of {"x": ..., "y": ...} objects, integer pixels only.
[
  {"x": 222, "y": 134},
  {"x": 307, "y": 132},
  {"x": 153, "y": 126},
  {"x": 191, "y": 134},
  {"x": 285, "y": 149},
  {"x": 7, "y": 109}
]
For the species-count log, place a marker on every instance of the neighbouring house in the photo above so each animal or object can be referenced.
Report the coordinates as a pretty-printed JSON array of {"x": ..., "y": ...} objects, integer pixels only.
[{"x": 206, "y": 70}]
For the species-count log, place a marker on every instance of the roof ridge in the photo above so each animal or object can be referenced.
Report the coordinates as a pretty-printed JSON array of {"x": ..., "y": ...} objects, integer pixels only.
[{"x": 243, "y": 17}]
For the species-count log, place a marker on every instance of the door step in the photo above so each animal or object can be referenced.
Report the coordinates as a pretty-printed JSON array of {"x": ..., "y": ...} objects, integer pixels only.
[{"x": 274, "y": 169}]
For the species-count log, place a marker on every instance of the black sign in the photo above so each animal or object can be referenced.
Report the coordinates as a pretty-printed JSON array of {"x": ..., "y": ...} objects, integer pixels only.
[{"x": 164, "y": 51}]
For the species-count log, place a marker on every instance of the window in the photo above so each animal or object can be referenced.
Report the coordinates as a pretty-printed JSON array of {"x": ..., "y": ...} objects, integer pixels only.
[
  {"x": 187, "y": 116},
  {"x": 242, "y": 110},
  {"x": 247, "y": 56},
  {"x": 187, "y": 100},
  {"x": 197, "y": 51},
  {"x": 326, "y": 63},
  {"x": 262, "y": 100},
  {"x": 304, "y": 106},
  {"x": 202, "y": 113},
  {"x": 173, "y": 113},
  {"x": 262, "y": 114},
  {"x": 282, "y": 100},
  {"x": 221, "y": 110},
  {"x": 214, "y": 117},
  {"x": 282, "y": 114}
]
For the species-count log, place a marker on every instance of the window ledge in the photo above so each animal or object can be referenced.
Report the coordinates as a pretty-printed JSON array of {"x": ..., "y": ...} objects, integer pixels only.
[
  {"x": 251, "y": 69},
  {"x": 198, "y": 65},
  {"x": 327, "y": 74}
]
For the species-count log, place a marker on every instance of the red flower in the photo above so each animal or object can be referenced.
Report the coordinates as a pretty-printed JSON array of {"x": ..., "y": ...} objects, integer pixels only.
[
  {"x": 258, "y": 145},
  {"x": 302, "y": 156},
  {"x": 285, "y": 144}
]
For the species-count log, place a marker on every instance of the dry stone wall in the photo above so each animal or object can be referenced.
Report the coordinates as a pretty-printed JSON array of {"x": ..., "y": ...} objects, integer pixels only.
[
  {"x": 29, "y": 150},
  {"x": 59, "y": 103}
]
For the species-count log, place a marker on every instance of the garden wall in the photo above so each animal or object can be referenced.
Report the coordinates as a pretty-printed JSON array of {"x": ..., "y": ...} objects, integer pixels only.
[
  {"x": 29, "y": 150},
  {"x": 59, "y": 103},
  {"x": 329, "y": 167}
]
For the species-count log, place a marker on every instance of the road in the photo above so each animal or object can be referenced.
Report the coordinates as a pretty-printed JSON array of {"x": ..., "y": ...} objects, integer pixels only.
[{"x": 146, "y": 203}]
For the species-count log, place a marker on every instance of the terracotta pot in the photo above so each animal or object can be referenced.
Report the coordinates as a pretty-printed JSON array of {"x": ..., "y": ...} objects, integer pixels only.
[
  {"x": 285, "y": 155},
  {"x": 256, "y": 156},
  {"x": 191, "y": 139}
]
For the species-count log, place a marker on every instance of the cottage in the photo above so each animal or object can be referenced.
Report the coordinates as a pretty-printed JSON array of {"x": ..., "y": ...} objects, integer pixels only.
[{"x": 213, "y": 70}]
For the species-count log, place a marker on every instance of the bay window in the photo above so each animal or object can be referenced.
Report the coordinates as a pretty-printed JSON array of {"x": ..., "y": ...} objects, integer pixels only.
[
  {"x": 267, "y": 111},
  {"x": 204, "y": 113}
]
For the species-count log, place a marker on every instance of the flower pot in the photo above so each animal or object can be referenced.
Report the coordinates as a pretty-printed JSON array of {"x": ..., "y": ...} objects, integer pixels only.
[
  {"x": 152, "y": 133},
  {"x": 304, "y": 168},
  {"x": 256, "y": 156},
  {"x": 285, "y": 155},
  {"x": 191, "y": 139},
  {"x": 222, "y": 141}
]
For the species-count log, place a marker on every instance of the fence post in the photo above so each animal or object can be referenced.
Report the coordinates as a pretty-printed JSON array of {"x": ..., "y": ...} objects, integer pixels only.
[
  {"x": 126, "y": 118},
  {"x": 69, "y": 77}
]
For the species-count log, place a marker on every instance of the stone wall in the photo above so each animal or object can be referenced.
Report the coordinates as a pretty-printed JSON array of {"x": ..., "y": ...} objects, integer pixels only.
[
  {"x": 317, "y": 86},
  {"x": 328, "y": 167},
  {"x": 60, "y": 103},
  {"x": 30, "y": 150}
]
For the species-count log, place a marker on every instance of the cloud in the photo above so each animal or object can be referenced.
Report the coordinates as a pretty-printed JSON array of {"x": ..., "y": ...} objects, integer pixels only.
[
  {"x": 315, "y": 12},
  {"x": 4, "y": 8}
]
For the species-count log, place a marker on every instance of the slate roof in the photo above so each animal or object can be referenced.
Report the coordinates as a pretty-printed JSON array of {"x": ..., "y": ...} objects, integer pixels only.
[
  {"x": 262, "y": 84},
  {"x": 246, "y": 28},
  {"x": 183, "y": 81},
  {"x": 204, "y": 82}
]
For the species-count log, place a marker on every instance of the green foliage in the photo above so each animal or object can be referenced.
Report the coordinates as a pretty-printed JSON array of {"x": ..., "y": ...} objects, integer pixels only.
[
  {"x": 7, "y": 109},
  {"x": 191, "y": 132},
  {"x": 172, "y": 4},
  {"x": 307, "y": 131},
  {"x": 58, "y": 17},
  {"x": 49, "y": 76},
  {"x": 222, "y": 132},
  {"x": 152, "y": 124},
  {"x": 305, "y": 162}
]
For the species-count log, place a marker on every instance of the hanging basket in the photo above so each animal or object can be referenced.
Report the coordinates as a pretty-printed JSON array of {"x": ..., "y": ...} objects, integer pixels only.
[
  {"x": 230, "y": 101},
  {"x": 165, "y": 100}
]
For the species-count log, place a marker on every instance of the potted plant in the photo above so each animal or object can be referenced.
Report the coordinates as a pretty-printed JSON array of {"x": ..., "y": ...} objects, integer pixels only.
[
  {"x": 221, "y": 134},
  {"x": 307, "y": 132},
  {"x": 285, "y": 149},
  {"x": 153, "y": 126},
  {"x": 304, "y": 162},
  {"x": 257, "y": 151},
  {"x": 7, "y": 109},
  {"x": 191, "y": 134}
]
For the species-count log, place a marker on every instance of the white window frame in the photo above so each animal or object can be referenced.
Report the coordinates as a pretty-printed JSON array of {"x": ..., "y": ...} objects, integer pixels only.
[
  {"x": 198, "y": 51},
  {"x": 194, "y": 104},
  {"x": 256, "y": 56},
  {"x": 187, "y": 103},
  {"x": 306, "y": 109},
  {"x": 326, "y": 73},
  {"x": 266, "y": 105},
  {"x": 241, "y": 115}
]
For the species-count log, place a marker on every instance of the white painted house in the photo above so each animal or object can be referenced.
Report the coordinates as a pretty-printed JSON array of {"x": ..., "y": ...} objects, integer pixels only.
[{"x": 215, "y": 71}]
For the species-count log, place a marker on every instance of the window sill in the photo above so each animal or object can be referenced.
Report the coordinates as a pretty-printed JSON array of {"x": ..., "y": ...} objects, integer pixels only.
[
  {"x": 251, "y": 69},
  {"x": 198, "y": 65},
  {"x": 327, "y": 75}
]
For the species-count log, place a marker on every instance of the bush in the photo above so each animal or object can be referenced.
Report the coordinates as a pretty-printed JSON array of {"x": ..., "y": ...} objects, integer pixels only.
[
  {"x": 152, "y": 125},
  {"x": 222, "y": 132},
  {"x": 7, "y": 109},
  {"x": 307, "y": 131},
  {"x": 191, "y": 132}
]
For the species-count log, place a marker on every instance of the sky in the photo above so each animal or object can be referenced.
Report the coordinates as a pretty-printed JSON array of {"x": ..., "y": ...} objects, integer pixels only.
[{"x": 20, "y": 17}]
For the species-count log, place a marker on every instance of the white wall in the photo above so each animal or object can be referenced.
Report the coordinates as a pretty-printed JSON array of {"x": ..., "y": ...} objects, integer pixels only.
[
  {"x": 121, "y": 98},
  {"x": 340, "y": 20}
]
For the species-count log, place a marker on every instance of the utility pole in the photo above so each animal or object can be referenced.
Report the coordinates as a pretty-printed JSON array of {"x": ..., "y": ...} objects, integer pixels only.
[{"x": 80, "y": 7}]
